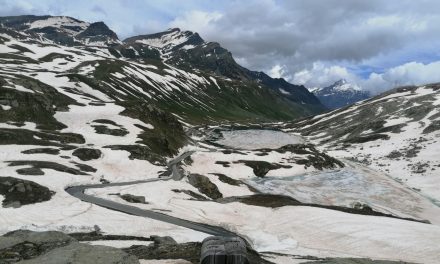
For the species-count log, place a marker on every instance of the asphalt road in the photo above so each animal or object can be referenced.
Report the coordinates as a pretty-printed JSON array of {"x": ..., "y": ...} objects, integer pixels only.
[{"x": 78, "y": 192}]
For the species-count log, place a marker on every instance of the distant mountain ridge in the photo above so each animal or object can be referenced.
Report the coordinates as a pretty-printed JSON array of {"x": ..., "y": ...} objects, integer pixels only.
[
  {"x": 62, "y": 30},
  {"x": 187, "y": 49},
  {"x": 184, "y": 49},
  {"x": 236, "y": 93},
  {"x": 340, "y": 94}
]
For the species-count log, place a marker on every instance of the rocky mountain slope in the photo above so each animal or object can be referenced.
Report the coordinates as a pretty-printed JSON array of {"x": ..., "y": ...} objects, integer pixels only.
[
  {"x": 397, "y": 132},
  {"x": 169, "y": 70},
  {"x": 62, "y": 30},
  {"x": 340, "y": 94}
]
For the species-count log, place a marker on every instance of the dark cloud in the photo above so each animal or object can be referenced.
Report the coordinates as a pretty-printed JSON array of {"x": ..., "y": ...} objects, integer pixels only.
[{"x": 300, "y": 34}]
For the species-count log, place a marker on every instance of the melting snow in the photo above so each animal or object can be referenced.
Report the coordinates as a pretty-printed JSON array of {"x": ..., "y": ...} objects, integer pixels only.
[
  {"x": 58, "y": 22},
  {"x": 257, "y": 139},
  {"x": 5, "y": 107},
  {"x": 169, "y": 40},
  {"x": 284, "y": 91}
]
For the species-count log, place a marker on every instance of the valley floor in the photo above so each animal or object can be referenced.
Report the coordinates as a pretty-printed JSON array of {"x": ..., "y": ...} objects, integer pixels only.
[{"x": 221, "y": 189}]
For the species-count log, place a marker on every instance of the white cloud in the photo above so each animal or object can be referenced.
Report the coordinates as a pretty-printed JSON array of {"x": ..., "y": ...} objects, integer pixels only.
[
  {"x": 412, "y": 73},
  {"x": 321, "y": 75},
  {"x": 196, "y": 20},
  {"x": 278, "y": 71}
]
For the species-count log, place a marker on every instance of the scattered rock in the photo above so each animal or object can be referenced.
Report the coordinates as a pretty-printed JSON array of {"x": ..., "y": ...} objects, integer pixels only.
[
  {"x": 46, "y": 165},
  {"x": 412, "y": 151},
  {"x": 433, "y": 127},
  {"x": 55, "y": 247},
  {"x": 28, "y": 137},
  {"x": 223, "y": 163},
  {"x": 187, "y": 251},
  {"x": 264, "y": 200},
  {"x": 30, "y": 171},
  {"x": 394, "y": 154},
  {"x": 133, "y": 198},
  {"x": 165, "y": 173},
  {"x": 51, "y": 151},
  {"x": 232, "y": 151},
  {"x": 96, "y": 235},
  {"x": 84, "y": 167},
  {"x": 141, "y": 153},
  {"x": 188, "y": 160},
  {"x": 419, "y": 167},
  {"x": 226, "y": 179},
  {"x": 315, "y": 158},
  {"x": 23, "y": 244},
  {"x": 205, "y": 186},
  {"x": 195, "y": 196},
  {"x": 106, "y": 121},
  {"x": 101, "y": 129},
  {"x": 79, "y": 253},
  {"x": 367, "y": 138},
  {"x": 163, "y": 240},
  {"x": 261, "y": 168},
  {"x": 19, "y": 192},
  {"x": 103, "y": 180},
  {"x": 86, "y": 154}
]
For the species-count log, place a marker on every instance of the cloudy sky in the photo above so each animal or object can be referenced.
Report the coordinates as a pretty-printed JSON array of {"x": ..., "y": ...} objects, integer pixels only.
[{"x": 377, "y": 44}]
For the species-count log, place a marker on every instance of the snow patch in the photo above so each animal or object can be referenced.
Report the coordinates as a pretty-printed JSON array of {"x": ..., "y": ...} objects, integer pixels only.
[
  {"x": 284, "y": 91},
  {"x": 5, "y": 107},
  {"x": 59, "y": 22}
]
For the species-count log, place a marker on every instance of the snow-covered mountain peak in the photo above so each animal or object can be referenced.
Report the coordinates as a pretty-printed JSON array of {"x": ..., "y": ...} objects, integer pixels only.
[
  {"x": 62, "y": 30},
  {"x": 172, "y": 39},
  {"x": 339, "y": 94},
  {"x": 41, "y": 24},
  {"x": 340, "y": 82},
  {"x": 60, "y": 22},
  {"x": 343, "y": 85}
]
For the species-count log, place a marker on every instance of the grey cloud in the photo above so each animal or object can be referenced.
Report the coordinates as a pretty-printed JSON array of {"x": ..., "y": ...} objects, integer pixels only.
[
  {"x": 298, "y": 34},
  {"x": 99, "y": 10}
]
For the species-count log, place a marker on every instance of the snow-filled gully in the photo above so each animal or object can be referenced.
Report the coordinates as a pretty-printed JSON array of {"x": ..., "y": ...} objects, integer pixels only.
[{"x": 78, "y": 192}]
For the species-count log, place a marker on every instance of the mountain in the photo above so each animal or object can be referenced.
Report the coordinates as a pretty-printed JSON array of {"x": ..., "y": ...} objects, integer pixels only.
[
  {"x": 61, "y": 30},
  {"x": 189, "y": 51},
  {"x": 396, "y": 132},
  {"x": 340, "y": 94},
  {"x": 153, "y": 143},
  {"x": 207, "y": 83}
]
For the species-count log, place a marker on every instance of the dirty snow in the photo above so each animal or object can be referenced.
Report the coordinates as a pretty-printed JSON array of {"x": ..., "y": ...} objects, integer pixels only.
[{"x": 258, "y": 139}]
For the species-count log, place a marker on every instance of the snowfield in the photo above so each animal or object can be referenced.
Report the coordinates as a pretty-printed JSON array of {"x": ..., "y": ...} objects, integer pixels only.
[
  {"x": 351, "y": 185},
  {"x": 258, "y": 139},
  {"x": 301, "y": 230}
]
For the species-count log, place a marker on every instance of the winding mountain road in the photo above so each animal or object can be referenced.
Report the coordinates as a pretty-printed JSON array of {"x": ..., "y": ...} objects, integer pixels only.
[{"x": 78, "y": 192}]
